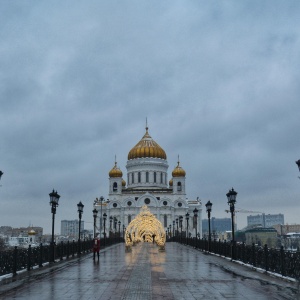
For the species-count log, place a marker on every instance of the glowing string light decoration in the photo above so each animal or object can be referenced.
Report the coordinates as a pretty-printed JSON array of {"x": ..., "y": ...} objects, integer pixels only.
[{"x": 145, "y": 227}]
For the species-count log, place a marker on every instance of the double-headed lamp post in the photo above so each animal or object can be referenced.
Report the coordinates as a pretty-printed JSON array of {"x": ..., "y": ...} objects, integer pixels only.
[
  {"x": 208, "y": 209},
  {"x": 195, "y": 211},
  {"x": 95, "y": 213},
  {"x": 80, "y": 207},
  {"x": 54, "y": 198},
  {"x": 104, "y": 226},
  {"x": 231, "y": 196}
]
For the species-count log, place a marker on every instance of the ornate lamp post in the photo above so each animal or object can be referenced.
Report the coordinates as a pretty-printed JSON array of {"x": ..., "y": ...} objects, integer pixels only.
[
  {"x": 173, "y": 229},
  {"x": 80, "y": 207},
  {"x": 177, "y": 226},
  {"x": 110, "y": 225},
  {"x": 101, "y": 202},
  {"x": 115, "y": 224},
  {"x": 208, "y": 210},
  {"x": 187, "y": 217},
  {"x": 195, "y": 211},
  {"x": 297, "y": 162},
  {"x": 104, "y": 225},
  {"x": 180, "y": 224},
  {"x": 54, "y": 198},
  {"x": 231, "y": 196},
  {"x": 95, "y": 213},
  {"x": 119, "y": 224}
]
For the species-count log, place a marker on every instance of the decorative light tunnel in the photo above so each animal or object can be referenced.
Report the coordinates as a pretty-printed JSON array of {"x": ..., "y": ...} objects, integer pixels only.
[{"x": 145, "y": 227}]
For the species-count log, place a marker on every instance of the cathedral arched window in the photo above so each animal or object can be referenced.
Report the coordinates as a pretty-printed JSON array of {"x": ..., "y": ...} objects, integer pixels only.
[
  {"x": 154, "y": 177},
  {"x": 179, "y": 188},
  {"x": 165, "y": 221},
  {"x": 147, "y": 176},
  {"x": 115, "y": 186},
  {"x": 139, "y": 177},
  {"x": 161, "y": 177},
  {"x": 129, "y": 219},
  {"x": 132, "y": 177}
]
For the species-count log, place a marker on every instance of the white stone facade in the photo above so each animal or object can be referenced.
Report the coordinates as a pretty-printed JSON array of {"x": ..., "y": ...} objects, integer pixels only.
[{"x": 147, "y": 184}]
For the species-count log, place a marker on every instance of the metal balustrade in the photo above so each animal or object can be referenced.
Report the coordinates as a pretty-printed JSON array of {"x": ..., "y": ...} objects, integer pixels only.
[
  {"x": 285, "y": 263},
  {"x": 18, "y": 259}
]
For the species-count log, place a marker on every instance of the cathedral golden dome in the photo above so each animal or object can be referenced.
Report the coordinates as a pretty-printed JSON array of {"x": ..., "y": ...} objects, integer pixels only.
[
  {"x": 147, "y": 147},
  {"x": 171, "y": 182},
  {"x": 115, "y": 171},
  {"x": 123, "y": 182},
  {"x": 31, "y": 232},
  {"x": 178, "y": 171}
]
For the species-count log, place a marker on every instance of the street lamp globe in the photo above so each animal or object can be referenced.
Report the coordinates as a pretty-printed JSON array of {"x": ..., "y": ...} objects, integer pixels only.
[
  {"x": 54, "y": 198},
  {"x": 95, "y": 213},
  {"x": 80, "y": 207},
  {"x": 231, "y": 196},
  {"x": 208, "y": 206}
]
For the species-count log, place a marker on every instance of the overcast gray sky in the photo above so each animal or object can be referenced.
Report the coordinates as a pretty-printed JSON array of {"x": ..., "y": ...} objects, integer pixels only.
[{"x": 217, "y": 80}]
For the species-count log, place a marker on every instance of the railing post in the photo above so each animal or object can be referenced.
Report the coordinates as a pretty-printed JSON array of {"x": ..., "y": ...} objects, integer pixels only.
[
  {"x": 68, "y": 249},
  {"x": 15, "y": 254},
  {"x": 61, "y": 250},
  {"x": 73, "y": 246},
  {"x": 29, "y": 258},
  {"x": 243, "y": 252},
  {"x": 253, "y": 255},
  {"x": 41, "y": 255},
  {"x": 266, "y": 253},
  {"x": 282, "y": 261}
]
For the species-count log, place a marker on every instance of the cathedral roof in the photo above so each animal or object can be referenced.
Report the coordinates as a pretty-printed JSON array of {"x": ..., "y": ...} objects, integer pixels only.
[
  {"x": 115, "y": 171},
  {"x": 147, "y": 147},
  {"x": 178, "y": 171}
]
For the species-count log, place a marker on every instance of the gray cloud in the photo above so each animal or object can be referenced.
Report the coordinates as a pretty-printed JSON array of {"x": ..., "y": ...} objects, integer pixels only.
[{"x": 218, "y": 81}]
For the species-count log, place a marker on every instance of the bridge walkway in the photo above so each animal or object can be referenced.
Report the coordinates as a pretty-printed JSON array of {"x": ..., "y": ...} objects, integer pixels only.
[{"x": 180, "y": 272}]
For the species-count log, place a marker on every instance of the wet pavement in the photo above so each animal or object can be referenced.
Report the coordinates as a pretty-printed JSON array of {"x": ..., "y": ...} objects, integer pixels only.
[{"x": 145, "y": 273}]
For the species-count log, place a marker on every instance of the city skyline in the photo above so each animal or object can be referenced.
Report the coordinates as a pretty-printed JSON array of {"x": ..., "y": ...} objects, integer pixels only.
[{"x": 217, "y": 81}]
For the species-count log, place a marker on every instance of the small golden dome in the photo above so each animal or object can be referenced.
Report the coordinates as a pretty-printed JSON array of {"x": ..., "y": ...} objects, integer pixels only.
[
  {"x": 171, "y": 182},
  {"x": 115, "y": 171},
  {"x": 123, "y": 182},
  {"x": 31, "y": 232},
  {"x": 147, "y": 147},
  {"x": 178, "y": 171}
]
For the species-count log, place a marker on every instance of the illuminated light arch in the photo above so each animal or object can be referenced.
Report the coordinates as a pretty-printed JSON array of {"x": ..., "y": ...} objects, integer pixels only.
[{"x": 143, "y": 228}]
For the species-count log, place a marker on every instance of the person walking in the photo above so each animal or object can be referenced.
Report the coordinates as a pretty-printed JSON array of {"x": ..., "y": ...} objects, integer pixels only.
[{"x": 96, "y": 247}]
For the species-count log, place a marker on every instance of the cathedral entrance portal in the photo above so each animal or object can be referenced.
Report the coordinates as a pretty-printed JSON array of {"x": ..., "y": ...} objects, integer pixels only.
[{"x": 145, "y": 227}]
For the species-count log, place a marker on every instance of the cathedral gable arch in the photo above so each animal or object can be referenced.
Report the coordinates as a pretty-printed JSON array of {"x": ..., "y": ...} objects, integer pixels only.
[{"x": 147, "y": 199}]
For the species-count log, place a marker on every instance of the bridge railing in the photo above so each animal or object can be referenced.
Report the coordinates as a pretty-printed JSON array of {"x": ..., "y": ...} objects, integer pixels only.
[
  {"x": 18, "y": 259},
  {"x": 285, "y": 263}
]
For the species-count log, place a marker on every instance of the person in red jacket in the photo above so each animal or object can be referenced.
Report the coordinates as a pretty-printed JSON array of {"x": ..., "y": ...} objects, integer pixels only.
[{"x": 96, "y": 247}]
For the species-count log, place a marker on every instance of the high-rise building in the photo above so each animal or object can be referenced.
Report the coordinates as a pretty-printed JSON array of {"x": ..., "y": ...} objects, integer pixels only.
[
  {"x": 147, "y": 184},
  {"x": 217, "y": 225},
  {"x": 70, "y": 228},
  {"x": 265, "y": 220}
]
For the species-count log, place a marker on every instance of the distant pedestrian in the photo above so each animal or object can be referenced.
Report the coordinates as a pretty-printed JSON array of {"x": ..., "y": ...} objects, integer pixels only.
[{"x": 96, "y": 247}]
